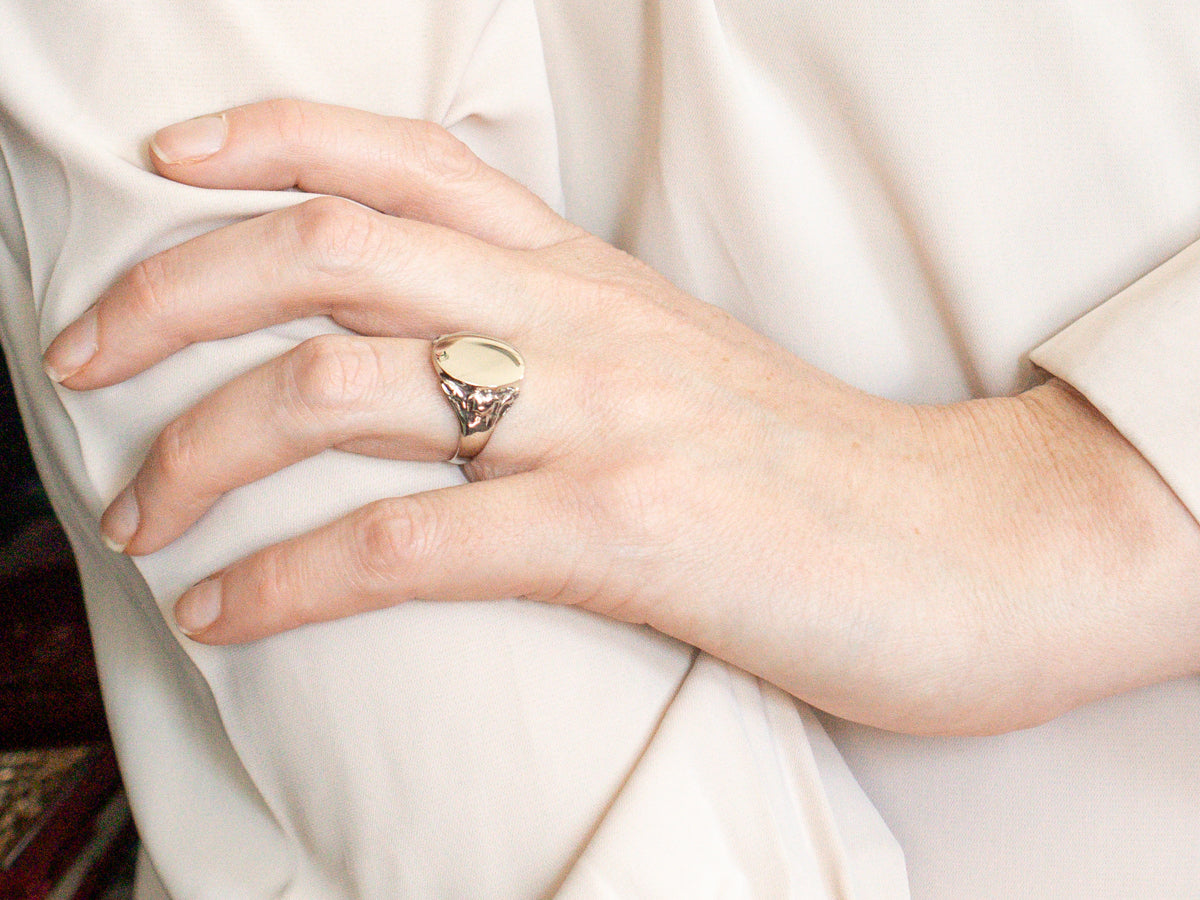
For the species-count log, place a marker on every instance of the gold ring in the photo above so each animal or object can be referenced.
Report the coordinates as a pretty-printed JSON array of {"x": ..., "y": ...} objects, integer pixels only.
[{"x": 481, "y": 377}]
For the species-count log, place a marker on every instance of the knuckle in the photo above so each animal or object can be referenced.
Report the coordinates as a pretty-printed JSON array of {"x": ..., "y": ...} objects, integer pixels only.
[
  {"x": 177, "y": 454},
  {"x": 338, "y": 237},
  {"x": 330, "y": 374},
  {"x": 274, "y": 594},
  {"x": 390, "y": 537},
  {"x": 148, "y": 284},
  {"x": 301, "y": 132},
  {"x": 439, "y": 156},
  {"x": 290, "y": 120}
]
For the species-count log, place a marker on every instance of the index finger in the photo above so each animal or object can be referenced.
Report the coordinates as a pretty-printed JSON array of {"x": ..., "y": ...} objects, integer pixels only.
[{"x": 403, "y": 167}]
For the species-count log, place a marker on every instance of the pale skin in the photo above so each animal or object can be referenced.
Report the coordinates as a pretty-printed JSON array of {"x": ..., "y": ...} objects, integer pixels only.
[{"x": 967, "y": 568}]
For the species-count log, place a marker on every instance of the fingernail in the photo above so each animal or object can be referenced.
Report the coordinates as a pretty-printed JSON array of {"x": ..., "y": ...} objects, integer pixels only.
[
  {"x": 120, "y": 521},
  {"x": 72, "y": 349},
  {"x": 190, "y": 141},
  {"x": 199, "y": 607}
]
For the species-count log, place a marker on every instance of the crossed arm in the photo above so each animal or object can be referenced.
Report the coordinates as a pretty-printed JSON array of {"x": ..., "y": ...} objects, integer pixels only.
[{"x": 972, "y": 567}]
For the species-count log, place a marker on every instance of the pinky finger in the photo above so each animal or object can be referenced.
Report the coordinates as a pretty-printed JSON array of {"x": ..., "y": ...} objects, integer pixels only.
[{"x": 484, "y": 540}]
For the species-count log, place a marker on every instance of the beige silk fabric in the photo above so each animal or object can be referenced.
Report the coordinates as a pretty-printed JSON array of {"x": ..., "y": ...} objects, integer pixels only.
[{"x": 912, "y": 197}]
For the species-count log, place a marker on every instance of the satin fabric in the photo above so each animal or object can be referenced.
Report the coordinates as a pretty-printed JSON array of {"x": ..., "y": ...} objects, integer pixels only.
[{"x": 912, "y": 199}]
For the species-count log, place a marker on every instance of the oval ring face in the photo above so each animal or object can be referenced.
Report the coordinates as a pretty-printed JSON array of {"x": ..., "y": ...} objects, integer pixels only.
[{"x": 477, "y": 360}]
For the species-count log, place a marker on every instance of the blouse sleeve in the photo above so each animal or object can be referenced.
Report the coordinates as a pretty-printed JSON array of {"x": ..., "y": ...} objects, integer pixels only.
[{"x": 1136, "y": 358}]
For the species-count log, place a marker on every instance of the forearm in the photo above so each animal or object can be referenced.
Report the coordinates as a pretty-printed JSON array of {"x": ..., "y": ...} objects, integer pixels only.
[
  {"x": 1100, "y": 559},
  {"x": 966, "y": 568}
]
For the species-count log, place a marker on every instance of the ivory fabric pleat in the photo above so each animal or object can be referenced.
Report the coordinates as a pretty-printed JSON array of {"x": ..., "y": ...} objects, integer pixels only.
[{"x": 913, "y": 197}]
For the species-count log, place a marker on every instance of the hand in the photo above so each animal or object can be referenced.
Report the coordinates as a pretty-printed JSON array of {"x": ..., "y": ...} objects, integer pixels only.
[{"x": 965, "y": 568}]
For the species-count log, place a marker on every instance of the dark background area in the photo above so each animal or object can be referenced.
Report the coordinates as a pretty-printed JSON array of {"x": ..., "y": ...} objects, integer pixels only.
[
  {"x": 65, "y": 829},
  {"x": 48, "y": 690}
]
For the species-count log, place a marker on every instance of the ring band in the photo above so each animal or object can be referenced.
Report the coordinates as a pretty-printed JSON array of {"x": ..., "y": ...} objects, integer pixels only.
[{"x": 481, "y": 377}]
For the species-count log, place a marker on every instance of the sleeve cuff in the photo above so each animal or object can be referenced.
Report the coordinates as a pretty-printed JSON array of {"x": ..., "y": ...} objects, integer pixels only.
[{"x": 1137, "y": 360}]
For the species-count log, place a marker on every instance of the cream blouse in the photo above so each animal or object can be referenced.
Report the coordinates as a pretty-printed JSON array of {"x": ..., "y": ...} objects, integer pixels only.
[{"x": 924, "y": 199}]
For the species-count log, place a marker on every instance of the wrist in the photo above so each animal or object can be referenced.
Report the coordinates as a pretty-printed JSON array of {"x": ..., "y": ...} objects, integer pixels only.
[{"x": 1110, "y": 587}]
